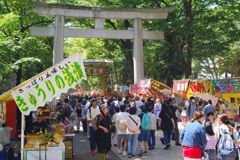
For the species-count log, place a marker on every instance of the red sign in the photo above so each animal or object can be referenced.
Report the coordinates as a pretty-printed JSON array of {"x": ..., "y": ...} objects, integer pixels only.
[{"x": 200, "y": 86}]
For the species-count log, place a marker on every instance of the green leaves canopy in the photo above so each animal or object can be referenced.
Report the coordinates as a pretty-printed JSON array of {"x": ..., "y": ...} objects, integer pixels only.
[{"x": 204, "y": 34}]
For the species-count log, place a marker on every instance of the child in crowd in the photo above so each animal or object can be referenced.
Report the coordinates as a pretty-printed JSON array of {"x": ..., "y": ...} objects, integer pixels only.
[
  {"x": 143, "y": 137},
  {"x": 210, "y": 150},
  {"x": 72, "y": 121},
  {"x": 66, "y": 124}
]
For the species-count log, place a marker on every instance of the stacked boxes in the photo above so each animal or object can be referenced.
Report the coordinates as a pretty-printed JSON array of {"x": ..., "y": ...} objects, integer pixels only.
[
  {"x": 60, "y": 129},
  {"x": 68, "y": 149}
]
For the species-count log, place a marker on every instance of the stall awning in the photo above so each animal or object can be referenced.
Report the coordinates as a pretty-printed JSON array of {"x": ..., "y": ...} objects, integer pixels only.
[
  {"x": 43, "y": 87},
  {"x": 6, "y": 96}
]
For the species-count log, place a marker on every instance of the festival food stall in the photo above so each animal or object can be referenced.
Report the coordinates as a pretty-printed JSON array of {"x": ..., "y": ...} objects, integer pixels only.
[
  {"x": 35, "y": 92},
  {"x": 227, "y": 90},
  {"x": 48, "y": 145},
  {"x": 150, "y": 88}
]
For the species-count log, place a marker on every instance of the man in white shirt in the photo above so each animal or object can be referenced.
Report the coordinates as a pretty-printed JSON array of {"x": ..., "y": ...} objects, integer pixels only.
[
  {"x": 87, "y": 104},
  {"x": 92, "y": 112},
  {"x": 121, "y": 129}
]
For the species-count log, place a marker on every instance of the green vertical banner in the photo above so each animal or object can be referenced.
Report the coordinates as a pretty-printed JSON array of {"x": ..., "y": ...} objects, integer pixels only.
[{"x": 51, "y": 83}]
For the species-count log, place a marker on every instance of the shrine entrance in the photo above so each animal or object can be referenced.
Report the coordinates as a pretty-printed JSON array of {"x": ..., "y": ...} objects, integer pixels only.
[
  {"x": 99, "y": 68},
  {"x": 59, "y": 31}
]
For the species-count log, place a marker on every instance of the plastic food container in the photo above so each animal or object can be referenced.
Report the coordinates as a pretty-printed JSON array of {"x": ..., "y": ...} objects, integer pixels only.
[{"x": 5, "y": 135}]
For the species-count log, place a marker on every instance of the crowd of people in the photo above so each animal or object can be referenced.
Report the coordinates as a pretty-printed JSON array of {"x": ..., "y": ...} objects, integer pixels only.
[
  {"x": 132, "y": 123},
  {"x": 209, "y": 135}
]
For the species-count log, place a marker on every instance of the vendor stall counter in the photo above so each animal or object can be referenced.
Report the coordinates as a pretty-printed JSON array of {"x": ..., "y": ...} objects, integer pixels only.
[{"x": 54, "y": 153}]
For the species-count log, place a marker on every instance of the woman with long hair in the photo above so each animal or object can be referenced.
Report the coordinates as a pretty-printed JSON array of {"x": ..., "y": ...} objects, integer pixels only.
[
  {"x": 210, "y": 150},
  {"x": 194, "y": 138},
  {"x": 103, "y": 132}
]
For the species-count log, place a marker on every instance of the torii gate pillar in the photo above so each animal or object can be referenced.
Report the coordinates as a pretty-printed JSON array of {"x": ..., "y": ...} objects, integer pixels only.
[
  {"x": 58, "y": 39},
  {"x": 138, "y": 51}
]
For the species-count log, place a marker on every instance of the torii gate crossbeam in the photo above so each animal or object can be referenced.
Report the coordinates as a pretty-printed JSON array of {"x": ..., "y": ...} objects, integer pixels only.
[{"x": 59, "y": 31}]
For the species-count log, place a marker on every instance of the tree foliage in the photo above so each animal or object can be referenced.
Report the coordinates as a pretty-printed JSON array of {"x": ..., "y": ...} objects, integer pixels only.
[
  {"x": 201, "y": 40},
  {"x": 22, "y": 54}
]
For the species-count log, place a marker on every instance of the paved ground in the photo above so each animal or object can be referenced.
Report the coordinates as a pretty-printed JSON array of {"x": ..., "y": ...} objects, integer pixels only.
[
  {"x": 174, "y": 153},
  {"x": 81, "y": 147},
  {"x": 82, "y": 150}
]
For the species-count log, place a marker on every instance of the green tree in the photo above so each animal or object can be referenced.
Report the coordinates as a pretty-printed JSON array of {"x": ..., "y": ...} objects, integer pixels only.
[
  {"x": 202, "y": 33},
  {"x": 218, "y": 29},
  {"x": 21, "y": 54}
]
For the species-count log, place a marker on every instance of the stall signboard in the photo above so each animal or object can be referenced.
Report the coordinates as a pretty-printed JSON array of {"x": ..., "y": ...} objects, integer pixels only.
[
  {"x": 180, "y": 86},
  {"x": 49, "y": 84},
  {"x": 161, "y": 88},
  {"x": 136, "y": 89},
  {"x": 150, "y": 87},
  {"x": 199, "y": 86},
  {"x": 226, "y": 85}
]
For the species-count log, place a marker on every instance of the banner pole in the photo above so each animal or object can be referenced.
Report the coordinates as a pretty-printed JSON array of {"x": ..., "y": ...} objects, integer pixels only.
[{"x": 22, "y": 137}]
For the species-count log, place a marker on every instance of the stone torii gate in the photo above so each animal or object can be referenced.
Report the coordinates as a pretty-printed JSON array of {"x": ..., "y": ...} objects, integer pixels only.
[{"x": 59, "y": 31}]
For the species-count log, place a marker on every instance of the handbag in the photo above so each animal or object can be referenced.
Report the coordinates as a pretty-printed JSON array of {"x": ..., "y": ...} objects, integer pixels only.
[{"x": 113, "y": 128}]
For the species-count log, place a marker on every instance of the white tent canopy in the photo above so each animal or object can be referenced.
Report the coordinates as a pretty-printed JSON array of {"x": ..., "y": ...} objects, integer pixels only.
[{"x": 206, "y": 97}]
